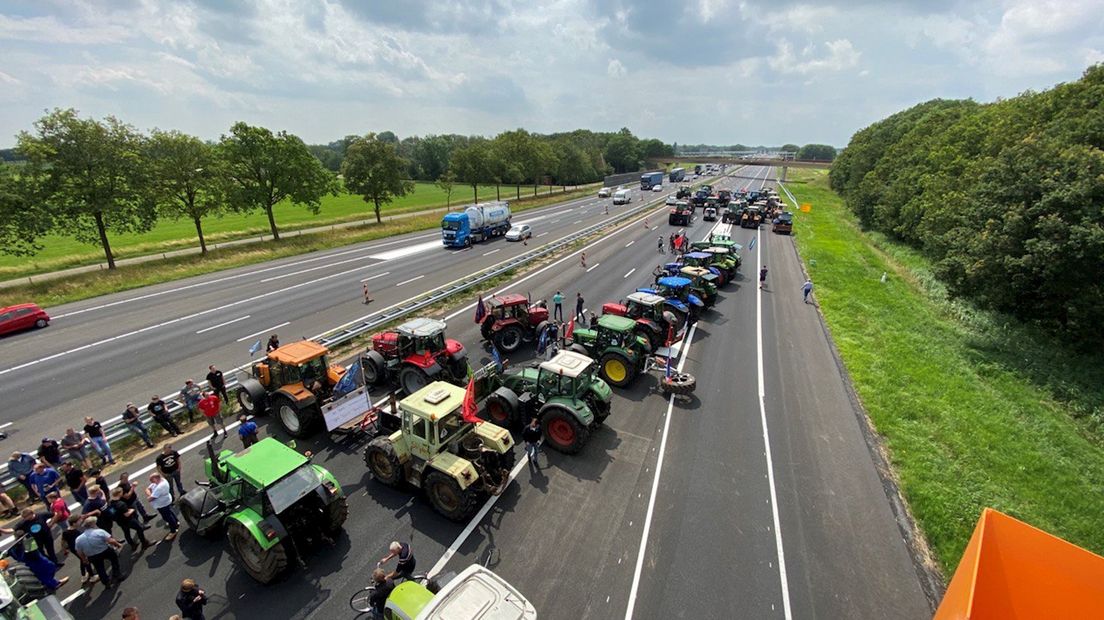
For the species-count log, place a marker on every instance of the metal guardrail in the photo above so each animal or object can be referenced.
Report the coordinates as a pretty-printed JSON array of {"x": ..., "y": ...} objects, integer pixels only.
[{"x": 115, "y": 429}]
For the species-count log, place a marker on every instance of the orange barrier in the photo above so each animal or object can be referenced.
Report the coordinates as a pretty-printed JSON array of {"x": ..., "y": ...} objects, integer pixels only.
[{"x": 1011, "y": 570}]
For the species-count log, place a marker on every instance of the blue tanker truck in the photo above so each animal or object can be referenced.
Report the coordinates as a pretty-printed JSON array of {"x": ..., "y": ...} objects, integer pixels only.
[{"x": 475, "y": 223}]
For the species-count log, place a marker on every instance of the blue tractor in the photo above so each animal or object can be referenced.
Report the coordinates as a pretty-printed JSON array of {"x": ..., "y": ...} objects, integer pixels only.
[{"x": 676, "y": 289}]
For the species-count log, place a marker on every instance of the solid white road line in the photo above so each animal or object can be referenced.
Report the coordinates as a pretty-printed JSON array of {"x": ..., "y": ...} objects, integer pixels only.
[
  {"x": 258, "y": 333},
  {"x": 492, "y": 251},
  {"x": 766, "y": 437},
  {"x": 207, "y": 329},
  {"x": 655, "y": 484},
  {"x": 410, "y": 280},
  {"x": 326, "y": 266},
  {"x": 629, "y": 273},
  {"x": 378, "y": 275},
  {"x": 590, "y": 269}
]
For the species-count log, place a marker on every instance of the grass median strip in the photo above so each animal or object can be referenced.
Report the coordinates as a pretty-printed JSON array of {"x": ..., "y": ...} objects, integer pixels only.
[{"x": 975, "y": 410}]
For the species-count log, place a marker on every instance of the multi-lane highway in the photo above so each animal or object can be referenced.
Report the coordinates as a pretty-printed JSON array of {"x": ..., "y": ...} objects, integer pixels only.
[{"x": 756, "y": 498}]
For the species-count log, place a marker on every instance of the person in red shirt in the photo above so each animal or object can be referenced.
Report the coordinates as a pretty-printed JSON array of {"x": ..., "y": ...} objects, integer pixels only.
[{"x": 211, "y": 407}]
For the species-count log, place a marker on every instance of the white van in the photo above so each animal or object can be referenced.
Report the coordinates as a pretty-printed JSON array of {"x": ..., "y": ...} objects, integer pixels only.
[
  {"x": 622, "y": 197},
  {"x": 604, "y": 192}
]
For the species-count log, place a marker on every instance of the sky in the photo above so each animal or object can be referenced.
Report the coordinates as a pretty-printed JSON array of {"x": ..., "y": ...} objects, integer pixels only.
[{"x": 698, "y": 71}]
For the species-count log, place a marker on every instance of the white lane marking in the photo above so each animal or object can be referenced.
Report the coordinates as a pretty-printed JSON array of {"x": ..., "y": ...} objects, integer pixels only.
[
  {"x": 766, "y": 437},
  {"x": 576, "y": 222},
  {"x": 455, "y": 546},
  {"x": 417, "y": 248},
  {"x": 655, "y": 227},
  {"x": 258, "y": 333},
  {"x": 492, "y": 252},
  {"x": 630, "y": 243},
  {"x": 542, "y": 234},
  {"x": 207, "y": 329},
  {"x": 6, "y": 424},
  {"x": 326, "y": 266},
  {"x": 410, "y": 280},
  {"x": 629, "y": 273},
  {"x": 655, "y": 483},
  {"x": 233, "y": 277},
  {"x": 553, "y": 221},
  {"x": 590, "y": 269},
  {"x": 378, "y": 275}
]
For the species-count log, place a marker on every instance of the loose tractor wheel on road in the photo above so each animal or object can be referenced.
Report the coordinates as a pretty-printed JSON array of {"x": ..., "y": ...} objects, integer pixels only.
[
  {"x": 456, "y": 463},
  {"x": 272, "y": 502},
  {"x": 415, "y": 354},
  {"x": 292, "y": 382},
  {"x": 512, "y": 320},
  {"x": 657, "y": 319},
  {"x": 621, "y": 354}
]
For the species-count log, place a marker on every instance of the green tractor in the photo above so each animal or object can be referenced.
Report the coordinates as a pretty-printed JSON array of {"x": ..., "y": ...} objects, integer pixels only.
[
  {"x": 620, "y": 352},
  {"x": 22, "y": 595},
  {"x": 564, "y": 393},
  {"x": 703, "y": 283},
  {"x": 458, "y": 463},
  {"x": 717, "y": 260},
  {"x": 272, "y": 502}
]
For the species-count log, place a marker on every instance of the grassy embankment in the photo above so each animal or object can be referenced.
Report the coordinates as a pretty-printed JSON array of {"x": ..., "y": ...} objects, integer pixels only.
[
  {"x": 62, "y": 252},
  {"x": 974, "y": 409},
  {"x": 126, "y": 277}
]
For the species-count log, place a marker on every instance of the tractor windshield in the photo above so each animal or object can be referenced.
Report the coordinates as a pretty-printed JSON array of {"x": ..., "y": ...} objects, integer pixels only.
[
  {"x": 314, "y": 370},
  {"x": 434, "y": 343},
  {"x": 584, "y": 381},
  {"x": 293, "y": 487},
  {"x": 449, "y": 427}
]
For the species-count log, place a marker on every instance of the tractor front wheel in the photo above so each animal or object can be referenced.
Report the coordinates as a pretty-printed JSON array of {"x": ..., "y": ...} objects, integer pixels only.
[
  {"x": 563, "y": 430},
  {"x": 297, "y": 420},
  {"x": 616, "y": 370},
  {"x": 412, "y": 379},
  {"x": 336, "y": 514},
  {"x": 651, "y": 339},
  {"x": 264, "y": 565},
  {"x": 502, "y": 409},
  {"x": 508, "y": 339},
  {"x": 448, "y": 498},
  {"x": 384, "y": 464}
]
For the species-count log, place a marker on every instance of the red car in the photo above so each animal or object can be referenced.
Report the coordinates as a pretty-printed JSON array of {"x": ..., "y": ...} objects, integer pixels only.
[{"x": 22, "y": 316}]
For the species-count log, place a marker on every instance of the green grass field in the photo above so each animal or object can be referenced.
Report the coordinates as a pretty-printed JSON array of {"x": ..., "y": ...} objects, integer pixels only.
[
  {"x": 975, "y": 409},
  {"x": 61, "y": 252}
]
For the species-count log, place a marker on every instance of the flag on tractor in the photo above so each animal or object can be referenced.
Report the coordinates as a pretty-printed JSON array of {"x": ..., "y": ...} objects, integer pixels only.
[
  {"x": 469, "y": 410},
  {"x": 543, "y": 341},
  {"x": 480, "y": 310},
  {"x": 570, "y": 331},
  {"x": 256, "y": 347},
  {"x": 348, "y": 381},
  {"x": 497, "y": 358},
  {"x": 667, "y": 370}
]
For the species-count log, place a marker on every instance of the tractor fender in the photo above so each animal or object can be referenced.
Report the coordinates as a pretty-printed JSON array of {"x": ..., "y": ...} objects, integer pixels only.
[
  {"x": 650, "y": 325},
  {"x": 328, "y": 479},
  {"x": 580, "y": 408},
  {"x": 256, "y": 526},
  {"x": 677, "y": 305},
  {"x": 455, "y": 467},
  {"x": 299, "y": 395},
  {"x": 507, "y": 400},
  {"x": 696, "y": 301},
  {"x": 256, "y": 392}
]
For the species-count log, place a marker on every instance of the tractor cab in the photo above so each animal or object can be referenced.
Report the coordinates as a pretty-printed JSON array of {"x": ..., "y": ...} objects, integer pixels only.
[
  {"x": 511, "y": 306},
  {"x": 420, "y": 337},
  {"x": 302, "y": 364},
  {"x": 706, "y": 261},
  {"x": 569, "y": 373},
  {"x": 676, "y": 288},
  {"x": 413, "y": 355},
  {"x": 703, "y": 282}
]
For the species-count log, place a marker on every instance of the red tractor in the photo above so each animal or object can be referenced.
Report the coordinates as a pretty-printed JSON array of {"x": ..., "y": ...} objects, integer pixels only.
[
  {"x": 415, "y": 354},
  {"x": 511, "y": 320}
]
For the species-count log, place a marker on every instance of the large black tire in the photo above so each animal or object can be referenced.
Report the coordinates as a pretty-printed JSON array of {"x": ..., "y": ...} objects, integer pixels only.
[
  {"x": 374, "y": 367},
  {"x": 412, "y": 379},
  {"x": 251, "y": 397},
  {"x": 448, "y": 498},
  {"x": 382, "y": 461},
  {"x": 535, "y": 335},
  {"x": 263, "y": 565},
  {"x": 652, "y": 339},
  {"x": 337, "y": 512},
  {"x": 600, "y": 409},
  {"x": 509, "y": 338},
  {"x": 562, "y": 429},
  {"x": 678, "y": 383},
  {"x": 503, "y": 408},
  {"x": 196, "y": 502},
  {"x": 616, "y": 369},
  {"x": 24, "y": 585},
  {"x": 297, "y": 420}
]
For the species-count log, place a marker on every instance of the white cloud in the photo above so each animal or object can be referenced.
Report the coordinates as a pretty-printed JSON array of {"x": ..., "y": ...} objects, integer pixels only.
[
  {"x": 834, "y": 56},
  {"x": 615, "y": 69}
]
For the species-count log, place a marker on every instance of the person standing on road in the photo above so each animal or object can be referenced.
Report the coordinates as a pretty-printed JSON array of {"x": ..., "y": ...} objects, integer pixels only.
[
  {"x": 49, "y": 451},
  {"x": 579, "y": 307},
  {"x": 247, "y": 430},
  {"x": 806, "y": 289},
  {"x": 168, "y": 463},
  {"x": 21, "y": 466},
  {"x": 37, "y": 527},
  {"x": 97, "y": 506},
  {"x": 763, "y": 277},
  {"x": 126, "y": 517},
  {"x": 190, "y": 600},
  {"x": 94, "y": 430},
  {"x": 557, "y": 306},
  {"x": 133, "y": 420},
  {"x": 659, "y": 245},
  {"x": 160, "y": 412},
  {"x": 532, "y": 437},
  {"x": 211, "y": 407},
  {"x": 406, "y": 564},
  {"x": 190, "y": 396},
  {"x": 131, "y": 497},
  {"x": 97, "y": 547},
  {"x": 217, "y": 382},
  {"x": 59, "y": 510},
  {"x": 75, "y": 480},
  {"x": 69, "y": 546},
  {"x": 383, "y": 588},
  {"x": 45, "y": 480},
  {"x": 76, "y": 446},
  {"x": 160, "y": 497}
]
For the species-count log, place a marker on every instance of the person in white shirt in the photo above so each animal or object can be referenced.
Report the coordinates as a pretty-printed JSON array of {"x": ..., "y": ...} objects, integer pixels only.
[{"x": 160, "y": 497}]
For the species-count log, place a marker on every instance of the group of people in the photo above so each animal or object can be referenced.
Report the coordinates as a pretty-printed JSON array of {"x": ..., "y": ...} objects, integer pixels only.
[{"x": 678, "y": 242}]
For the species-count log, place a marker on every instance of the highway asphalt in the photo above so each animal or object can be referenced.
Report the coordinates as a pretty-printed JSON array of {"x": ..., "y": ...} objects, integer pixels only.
[{"x": 672, "y": 509}]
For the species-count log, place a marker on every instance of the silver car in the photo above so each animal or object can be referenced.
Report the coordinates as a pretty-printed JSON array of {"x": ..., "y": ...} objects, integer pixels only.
[{"x": 519, "y": 232}]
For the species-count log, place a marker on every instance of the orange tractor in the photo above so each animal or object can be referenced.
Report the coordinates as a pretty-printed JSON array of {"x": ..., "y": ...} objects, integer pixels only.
[{"x": 293, "y": 382}]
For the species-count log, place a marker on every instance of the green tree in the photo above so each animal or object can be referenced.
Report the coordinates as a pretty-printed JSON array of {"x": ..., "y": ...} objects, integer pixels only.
[
  {"x": 447, "y": 182},
  {"x": 24, "y": 216},
  {"x": 623, "y": 152},
  {"x": 266, "y": 168},
  {"x": 431, "y": 156},
  {"x": 817, "y": 152},
  {"x": 790, "y": 148},
  {"x": 474, "y": 164},
  {"x": 92, "y": 175},
  {"x": 373, "y": 169},
  {"x": 188, "y": 178}
]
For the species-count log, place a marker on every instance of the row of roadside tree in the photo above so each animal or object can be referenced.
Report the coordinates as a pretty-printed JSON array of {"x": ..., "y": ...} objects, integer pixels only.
[
  {"x": 1006, "y": 198},
  {"x": 86, "y": 178}
]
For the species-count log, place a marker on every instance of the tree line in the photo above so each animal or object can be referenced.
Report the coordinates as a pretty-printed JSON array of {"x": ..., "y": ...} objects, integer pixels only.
[
  {"x": 1005, "y": 198},
  {"x": 85, "y": 178}
]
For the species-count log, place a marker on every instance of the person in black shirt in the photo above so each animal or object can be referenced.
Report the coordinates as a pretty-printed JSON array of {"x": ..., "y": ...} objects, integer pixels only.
[
  {"x": 217, "y": 382},
  {"x": 131, "y": 497},
  {"x": 161, "y": 415},
  {"x": 405, "y": 567},
  {"x": 273, "y": 344},
  {"x": 69, "y": 546},
  {"x": 50, "y": 451},
  {"x": 168, "y": 463},
  {"x": 37, "y": 526},
  {"x": 98, "y": 506},
  {"x": 532, "y": 436},
  {"x": 190, "y": 600},
  {"x": 97, "y": 477},
  {"x": 74, "y": 479},
  {"x": 127, "y": 518},
  {"x": 133, "y": 420},
  {"x": 384, "y": 587}
]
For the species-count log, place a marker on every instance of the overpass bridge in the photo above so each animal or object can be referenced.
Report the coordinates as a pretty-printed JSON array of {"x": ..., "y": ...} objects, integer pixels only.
[{"x": 742, "y": 160}]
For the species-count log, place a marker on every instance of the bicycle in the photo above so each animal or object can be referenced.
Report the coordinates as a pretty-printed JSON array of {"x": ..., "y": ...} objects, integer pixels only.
[{"x": 361, "y": 601}]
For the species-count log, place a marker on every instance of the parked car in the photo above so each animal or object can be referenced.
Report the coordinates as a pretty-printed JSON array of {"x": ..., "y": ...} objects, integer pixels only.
[
  {"x": 519, "y": 232},
  {"x": 605, "y": 192},
  {"x": 22, "y": 316}
]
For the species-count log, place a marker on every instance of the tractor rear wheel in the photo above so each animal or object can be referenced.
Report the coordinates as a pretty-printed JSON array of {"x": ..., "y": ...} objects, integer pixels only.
[
  {"x": 336, "y": 514},
  {"x": 296, "y": 419},
  {"x": 562, "y": 429},
  {"x": 264, "y": 565},
  {"x": 508, "y": 339},
  {"x": 616, "y": 369},
  {"x": 373, "y": 367},
  {"x": 384, "y": 464},
  {"x": 412, "y": 379},
  {"x": 448, "y": 498}
]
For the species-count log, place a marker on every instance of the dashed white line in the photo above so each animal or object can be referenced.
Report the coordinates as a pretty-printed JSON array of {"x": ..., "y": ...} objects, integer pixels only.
[
  {"x": 410, "y": 280},
  {"x": 576, "y": 222},
  {"x": 378, "y": 275},
  {"x": 492, "y": 251},
  {"x": 258, "y": 333},
  {"x": 629, "y": 273},
  {"x": 630, "y": 243},
  {"x": 207, "y": 329},
  {"x": 590, "y": 269},
  {"x": 6, "y": 424},
  {"x": 542, "y": 234}
]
